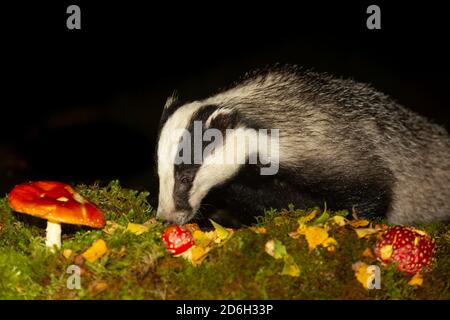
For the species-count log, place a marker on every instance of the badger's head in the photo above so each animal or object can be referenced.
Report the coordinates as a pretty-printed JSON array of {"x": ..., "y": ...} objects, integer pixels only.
[{"x": 199, "y": 148}]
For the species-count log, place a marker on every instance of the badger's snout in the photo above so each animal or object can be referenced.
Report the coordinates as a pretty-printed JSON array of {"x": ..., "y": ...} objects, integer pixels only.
[{"x": 176, "y": 217}]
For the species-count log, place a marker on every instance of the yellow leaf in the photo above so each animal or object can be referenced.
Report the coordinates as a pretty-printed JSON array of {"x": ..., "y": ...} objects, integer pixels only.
[
  {"x": 275, "y": 249},
  {"x": 221, "y": 233},
  {"x": 386, "y": 252},
  {"x": 67, "y": 253},
  {"x": 308, "y": 218},
  {"x": 198, "y": 254},
  {"x": 97, "y": 250},
  {"x": 290, "y": 268},
  {"x": 359, "y": 223},
  {"x": 362, "y": 274},
  {"x": 261, "y": 230},
  {"x": 203, "y": 239},
  {"x": 329, "y": 242},
  {"x": 416, "y": 280},
  {"x": 339, "y": 220},
  {"x": 365, "y": 232},
  {"x": 315, "y": 236},
  {"x": 136, "y": 228}
]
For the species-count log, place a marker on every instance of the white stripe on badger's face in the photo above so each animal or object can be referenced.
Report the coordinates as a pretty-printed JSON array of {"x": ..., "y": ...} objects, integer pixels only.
[
  {"x": 217, "y": 168},
  {"x": 169, "y": 139}
]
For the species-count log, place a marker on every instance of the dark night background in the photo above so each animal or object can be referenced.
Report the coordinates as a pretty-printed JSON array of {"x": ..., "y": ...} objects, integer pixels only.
[{"x": 83, "y": 105}]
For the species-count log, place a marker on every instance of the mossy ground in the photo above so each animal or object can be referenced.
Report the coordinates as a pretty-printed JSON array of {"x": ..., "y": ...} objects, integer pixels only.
[{"x": 138, "y": 266}]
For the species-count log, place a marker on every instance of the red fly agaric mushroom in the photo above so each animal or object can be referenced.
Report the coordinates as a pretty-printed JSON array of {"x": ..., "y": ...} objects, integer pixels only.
[
  {"x": 178, "y": 239},
  {"x": 411, "y": 249},
  {"x": 57, "y": 203}
]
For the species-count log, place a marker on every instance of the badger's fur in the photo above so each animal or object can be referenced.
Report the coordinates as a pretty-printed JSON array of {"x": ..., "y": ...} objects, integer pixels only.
[{"x": 340, "y": 142}]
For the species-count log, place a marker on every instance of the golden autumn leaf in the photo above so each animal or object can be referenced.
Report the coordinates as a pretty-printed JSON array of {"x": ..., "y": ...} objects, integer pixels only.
[
  {"x": 290, "y": 267},
  {"x": 261, "y": 230},
  {"x": 308, "y": 218},
  {"x": 315, "y": 236},
  {"x": 204, "y": 242},
  {"x": 339, "y": 220},
  {"x": 330, "y": 244},
  {"x": 416, "y": 280},
  {"x": 362, "y": 274},
  {"x": 365, "y": 232},
  {"x": 95, "y": 251},
  {"x": 221, "y": 233},
  {"x": 386, "y": 252},
  {"x": 67, "y": 253},
  {"x": 198, "y": 254},
  {"x": 358, "y": 223},
  {"x": 136, "y": 228}
]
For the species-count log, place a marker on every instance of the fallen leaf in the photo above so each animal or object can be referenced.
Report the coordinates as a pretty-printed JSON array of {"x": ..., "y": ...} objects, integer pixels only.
[
  {"x": 260, "y": 230},
  {"x": 358, "y": 223},
  {"x": 386, "y": 252},
  {"x": 315, "y": 236},
  {"x": 308, "y": 218},
  {"x": 136, "y": 228},
  {"x": 365, "y": 232},
  {"x": 330, "y": 244},
  {"x": 97, "y": 250},
  {"x": 290, "y": 268},
  {"x": 198, "y": 254},
  {"x": 204, "y": 242},
  {"x": 416, "y": 280},
  {"x": 275, "y": 249},
  {"x": 221, "y": 233},
  {"x": 67, "y": 253},
  {"x": 362, "y": 274},
  {"x": 339, "y": 220}
]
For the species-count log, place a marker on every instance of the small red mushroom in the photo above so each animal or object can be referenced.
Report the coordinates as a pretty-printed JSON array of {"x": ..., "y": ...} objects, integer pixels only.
[
  {"x": 178, "y": 239},
  {"x": 411, "y": 249},
  {"x": 57, "y": 203}
]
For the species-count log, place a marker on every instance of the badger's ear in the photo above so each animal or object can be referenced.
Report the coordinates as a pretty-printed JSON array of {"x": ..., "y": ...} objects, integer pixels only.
[{"x": 171, "y": 100}]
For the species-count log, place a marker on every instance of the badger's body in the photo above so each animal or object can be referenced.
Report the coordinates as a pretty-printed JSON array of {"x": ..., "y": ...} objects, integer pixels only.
[{"x": 340, "y": 142}]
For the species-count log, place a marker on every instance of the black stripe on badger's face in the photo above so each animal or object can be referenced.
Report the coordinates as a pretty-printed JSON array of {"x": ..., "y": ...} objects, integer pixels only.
[{"x": 184, "y": 174}]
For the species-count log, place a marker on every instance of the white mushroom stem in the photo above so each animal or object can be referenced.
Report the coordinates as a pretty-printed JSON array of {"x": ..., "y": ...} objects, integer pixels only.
[{"x": 53, "y": 235}]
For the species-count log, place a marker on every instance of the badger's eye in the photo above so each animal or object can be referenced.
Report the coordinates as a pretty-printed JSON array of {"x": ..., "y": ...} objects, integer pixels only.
[{"x": 185, "y": 180}]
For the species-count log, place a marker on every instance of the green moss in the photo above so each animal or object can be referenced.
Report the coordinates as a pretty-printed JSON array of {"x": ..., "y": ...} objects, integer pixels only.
[{"x": 138, "y": 266}]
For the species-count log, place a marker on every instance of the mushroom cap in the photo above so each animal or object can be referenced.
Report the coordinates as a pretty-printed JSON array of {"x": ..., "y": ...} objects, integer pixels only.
[
  {"x": 56, "y": 202},
  {"x": 411, "y": 249}
]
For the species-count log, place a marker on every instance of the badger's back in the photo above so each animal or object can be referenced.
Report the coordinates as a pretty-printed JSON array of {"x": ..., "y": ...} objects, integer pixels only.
[{"x": 348, "y": 144}]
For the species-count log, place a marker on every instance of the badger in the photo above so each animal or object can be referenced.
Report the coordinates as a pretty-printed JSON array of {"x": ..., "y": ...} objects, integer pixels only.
[{"x": 339, "y": 143}]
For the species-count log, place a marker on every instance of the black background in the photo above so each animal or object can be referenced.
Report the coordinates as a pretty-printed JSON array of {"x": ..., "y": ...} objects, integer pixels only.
[{"x": 83, "y": 105}]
